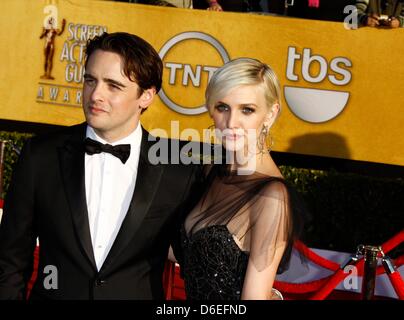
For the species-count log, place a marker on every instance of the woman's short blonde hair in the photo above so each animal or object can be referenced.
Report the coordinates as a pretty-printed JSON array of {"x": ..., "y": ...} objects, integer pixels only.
[{"x": 243, "y": 71}]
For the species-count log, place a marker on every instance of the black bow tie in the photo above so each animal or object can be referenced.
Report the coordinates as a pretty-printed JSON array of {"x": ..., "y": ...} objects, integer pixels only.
[{"x": 121, "y": 151}]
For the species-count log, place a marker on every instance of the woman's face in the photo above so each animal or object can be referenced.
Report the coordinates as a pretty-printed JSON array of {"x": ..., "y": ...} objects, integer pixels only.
[{"x": 240, "y": 116}]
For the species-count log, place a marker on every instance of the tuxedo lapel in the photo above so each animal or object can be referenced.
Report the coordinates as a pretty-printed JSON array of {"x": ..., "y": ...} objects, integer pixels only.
[
  {"x": 147, "y": 182},
  {"x": 72, "y": 166}
]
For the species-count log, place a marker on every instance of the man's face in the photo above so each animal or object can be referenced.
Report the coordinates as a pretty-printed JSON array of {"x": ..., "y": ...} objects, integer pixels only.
[{"x": 110, "y": 99}]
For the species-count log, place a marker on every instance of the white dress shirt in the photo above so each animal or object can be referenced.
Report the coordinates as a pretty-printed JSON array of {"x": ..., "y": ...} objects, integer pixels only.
[{"x": 109, "y": 188}]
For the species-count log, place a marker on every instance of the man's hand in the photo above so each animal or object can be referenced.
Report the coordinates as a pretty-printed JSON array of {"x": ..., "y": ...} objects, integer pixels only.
[
  {"x": 394, "y": 23},
  {"x": 372, "y": 21}
]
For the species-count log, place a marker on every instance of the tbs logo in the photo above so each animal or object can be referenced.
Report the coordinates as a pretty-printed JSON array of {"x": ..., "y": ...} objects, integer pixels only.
[{"x": 316, "y": 105}]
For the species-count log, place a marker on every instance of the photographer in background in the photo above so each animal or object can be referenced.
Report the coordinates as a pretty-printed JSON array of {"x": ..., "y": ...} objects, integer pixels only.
[{"x": 381, "y": 13}]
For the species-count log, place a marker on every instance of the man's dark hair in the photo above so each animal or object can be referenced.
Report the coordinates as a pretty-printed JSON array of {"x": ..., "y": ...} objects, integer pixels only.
[{"x": 141, "y": 63}]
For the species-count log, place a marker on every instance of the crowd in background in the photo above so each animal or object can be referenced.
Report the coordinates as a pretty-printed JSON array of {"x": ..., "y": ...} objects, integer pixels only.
[{"x": 373, "y": 13}]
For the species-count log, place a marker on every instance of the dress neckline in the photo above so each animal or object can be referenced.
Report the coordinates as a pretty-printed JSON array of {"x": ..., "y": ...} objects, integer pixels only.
[{"x": 191, "y": 237}]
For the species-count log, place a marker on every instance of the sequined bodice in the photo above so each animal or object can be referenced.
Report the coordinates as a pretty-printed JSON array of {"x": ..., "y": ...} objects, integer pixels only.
[{"x": 213, "y": 265}]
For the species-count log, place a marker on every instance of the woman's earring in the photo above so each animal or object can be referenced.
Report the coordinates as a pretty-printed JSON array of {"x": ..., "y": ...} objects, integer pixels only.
[
  {"x": 264, "y": 134},
  {"x": 261, "y": 138},
  {"x": 271, "y": 142}
]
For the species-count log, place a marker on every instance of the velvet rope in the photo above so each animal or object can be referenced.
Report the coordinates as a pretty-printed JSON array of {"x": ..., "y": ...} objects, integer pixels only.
[
  {"x": 397, "y": 283},
  {"x": 326, "y": 285},
  {"x": 393, "y": 242},
  {"x": 306, "y": 287},
  {"x": 397, "y": 262},
  {"x": 330, "y": 285},
  {"x": 339, "y": 276},
  {"x": 308, "y": 253},
  {"x": 331, "y": 265}
]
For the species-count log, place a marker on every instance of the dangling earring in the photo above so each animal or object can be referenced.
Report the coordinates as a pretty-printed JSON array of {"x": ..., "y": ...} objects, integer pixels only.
[
  {"x": 271, "y": 142},
  {"x": 264, "y": 134},
  {"x": 262, "y": 138}
]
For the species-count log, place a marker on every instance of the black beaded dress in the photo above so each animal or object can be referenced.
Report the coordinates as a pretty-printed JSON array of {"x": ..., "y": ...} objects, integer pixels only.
[{"x": 241, "y": 219}]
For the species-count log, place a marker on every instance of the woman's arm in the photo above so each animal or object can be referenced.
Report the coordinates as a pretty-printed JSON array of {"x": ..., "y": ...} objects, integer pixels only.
[
  {"x": 258, "y": 284},
  {"x": 269, "y": 238}
]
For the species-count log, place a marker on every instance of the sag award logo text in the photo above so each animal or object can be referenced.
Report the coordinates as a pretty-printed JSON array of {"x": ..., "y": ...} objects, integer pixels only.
[{"x": 63, "y": 90}]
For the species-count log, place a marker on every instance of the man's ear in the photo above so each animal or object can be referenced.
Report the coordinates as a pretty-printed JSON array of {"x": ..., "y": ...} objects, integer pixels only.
[
  {"x": 147, "y": 98},
  {"x": 272, "y": 115}
]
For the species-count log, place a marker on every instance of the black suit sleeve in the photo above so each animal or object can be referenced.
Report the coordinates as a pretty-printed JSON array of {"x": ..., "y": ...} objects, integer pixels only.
[{"x": 17, "y": 234}]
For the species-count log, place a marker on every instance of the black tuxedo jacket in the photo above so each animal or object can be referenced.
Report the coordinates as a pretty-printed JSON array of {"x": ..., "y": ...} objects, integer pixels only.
[{"x": 47, "y": 199}]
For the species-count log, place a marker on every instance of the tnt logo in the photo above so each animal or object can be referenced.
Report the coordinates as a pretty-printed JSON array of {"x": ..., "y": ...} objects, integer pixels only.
[
  {"x": 316, "y": 105},
  {"x": 179, "y": 55}
]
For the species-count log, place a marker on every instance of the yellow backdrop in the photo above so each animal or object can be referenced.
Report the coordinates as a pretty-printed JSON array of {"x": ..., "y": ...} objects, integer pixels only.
[{"x": 343, "y": 88}]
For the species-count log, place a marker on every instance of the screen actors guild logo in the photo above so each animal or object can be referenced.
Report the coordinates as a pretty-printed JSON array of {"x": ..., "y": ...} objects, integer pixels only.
[
  {"x": 67, "y": 90},
  {"x": 49, "y": 32}
]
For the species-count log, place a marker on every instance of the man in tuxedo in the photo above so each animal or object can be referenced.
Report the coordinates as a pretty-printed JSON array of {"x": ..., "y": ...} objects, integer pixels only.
[{"x": 104, "y": 214}]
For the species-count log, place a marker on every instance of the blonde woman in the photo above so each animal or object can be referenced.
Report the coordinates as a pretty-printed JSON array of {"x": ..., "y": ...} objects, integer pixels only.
[{"x": 241, "y": 232}]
